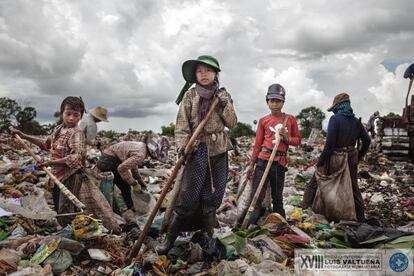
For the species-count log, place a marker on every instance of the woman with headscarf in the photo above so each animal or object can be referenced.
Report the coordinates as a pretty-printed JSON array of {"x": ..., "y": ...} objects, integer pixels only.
[
  {"x": 344, "y": 130},
  {"x": 205, "y": 173}
]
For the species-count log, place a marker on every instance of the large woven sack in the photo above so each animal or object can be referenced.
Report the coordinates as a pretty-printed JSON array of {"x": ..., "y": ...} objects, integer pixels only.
[
  {"x": 172, "y": 196},
  {"x": 96, "y": 203},
  {"x": 246, "y": 196},
  {"x": 334, "y": 197}
]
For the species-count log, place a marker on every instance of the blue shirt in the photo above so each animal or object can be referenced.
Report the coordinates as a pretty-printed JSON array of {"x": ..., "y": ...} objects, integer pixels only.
[{"x": 344, "y": 131}]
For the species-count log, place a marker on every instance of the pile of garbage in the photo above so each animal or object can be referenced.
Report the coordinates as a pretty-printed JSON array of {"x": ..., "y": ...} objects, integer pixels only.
[
  {"x": 32, "y": 241},
  {"x": 387, "y": 189}
]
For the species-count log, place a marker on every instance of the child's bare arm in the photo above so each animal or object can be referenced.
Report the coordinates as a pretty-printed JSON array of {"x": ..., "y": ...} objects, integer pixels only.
[
  {"x": 55, "y": 163},
  {"x": 41, "y": 143}
]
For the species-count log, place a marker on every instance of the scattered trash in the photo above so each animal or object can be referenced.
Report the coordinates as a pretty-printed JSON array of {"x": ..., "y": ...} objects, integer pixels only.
[
  {"x": 99, "y": 254},
  {"x": 60, "y": 260},
  {"x": 144, "y": 202},
  {"x": 44, "y": 251},
  {"x": 376, "y": 198},
  {"x": 32, "y": 242},
  {"x": 86, "y": 227},
  {"x": 297, "y": 214},
  {"x": 32, "y": 206},
  {"x": 18, "y": 232},
  {"x": 9, "y": 260}
]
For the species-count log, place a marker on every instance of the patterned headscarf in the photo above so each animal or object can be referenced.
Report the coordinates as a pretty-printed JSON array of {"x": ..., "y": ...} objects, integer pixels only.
[
  {"x": 206, "y": 96},
  {"x": 343, "y": 108},
  {"x": 157, "y": 147}
]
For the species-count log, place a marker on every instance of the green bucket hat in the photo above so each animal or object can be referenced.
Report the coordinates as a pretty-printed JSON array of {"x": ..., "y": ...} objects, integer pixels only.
[{"x": 189, "y": 68}]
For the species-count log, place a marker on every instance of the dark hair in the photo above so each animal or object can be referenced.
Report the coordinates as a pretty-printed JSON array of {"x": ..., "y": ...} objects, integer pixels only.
[{"x": 74, "y": 103}]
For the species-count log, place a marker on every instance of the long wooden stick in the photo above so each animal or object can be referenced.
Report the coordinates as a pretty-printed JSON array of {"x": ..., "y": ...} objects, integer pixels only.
[
  {"x": 189, "y": 147},
  {"x": 261, "y": 184},
  {"x": 243, "y": 186},
  {"x": 62, "y": 187},
  {"x": 169, "y": 210}
]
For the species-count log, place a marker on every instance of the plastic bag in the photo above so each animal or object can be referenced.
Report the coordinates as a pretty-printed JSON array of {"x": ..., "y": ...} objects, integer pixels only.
[
  {"x": 297, "y": 214},
  {"x": 99, "y": 255},
  {"x": 144, "y": 202},
  {"x": 85, "y": 227},
  {"x": 3, "y": 230},
  {"x": 60, "y": 260},
  {"x": 33, "y": 206},
  {"x": 44, "y": 251}
]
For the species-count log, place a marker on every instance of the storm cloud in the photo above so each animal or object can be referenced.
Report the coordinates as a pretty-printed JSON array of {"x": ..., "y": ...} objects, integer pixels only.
[{"x": 127, "y": 55}]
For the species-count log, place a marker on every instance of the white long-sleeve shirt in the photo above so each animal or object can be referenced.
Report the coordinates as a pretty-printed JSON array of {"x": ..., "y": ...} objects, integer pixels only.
[{"x": 88, "y": 125}]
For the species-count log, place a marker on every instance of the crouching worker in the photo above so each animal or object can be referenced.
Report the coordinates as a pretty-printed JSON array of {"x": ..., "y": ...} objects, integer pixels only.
[
  {"x": 123, "y": 159},
  {"x": 68, "y": 150},
  {"x": 263, "y": 146},
  {"x": 205, "y": 173}
]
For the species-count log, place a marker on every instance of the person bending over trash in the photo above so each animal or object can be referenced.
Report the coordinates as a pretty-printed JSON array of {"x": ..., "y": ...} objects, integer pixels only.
[
  {"x": 205, "y": 173},
  {"x": 68, "y": 152},
  {"x": 263, "y": 146},
  {"x": 123, "y": 159}
]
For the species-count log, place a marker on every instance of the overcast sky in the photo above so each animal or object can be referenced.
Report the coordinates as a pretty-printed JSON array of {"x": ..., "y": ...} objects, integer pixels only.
[{"x": 127, "y": 55}]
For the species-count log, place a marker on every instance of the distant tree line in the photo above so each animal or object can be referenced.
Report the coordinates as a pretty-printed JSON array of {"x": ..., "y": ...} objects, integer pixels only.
[
  {"x": 306, "y": 118},
  {"x": 23, "y": 118}
]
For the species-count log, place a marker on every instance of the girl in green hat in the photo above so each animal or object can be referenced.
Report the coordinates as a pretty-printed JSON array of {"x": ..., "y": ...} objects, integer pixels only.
[{"x": 205, "y": 173}]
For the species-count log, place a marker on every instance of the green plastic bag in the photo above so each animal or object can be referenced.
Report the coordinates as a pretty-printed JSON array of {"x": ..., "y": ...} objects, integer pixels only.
[{"x": 4, "y": 233}]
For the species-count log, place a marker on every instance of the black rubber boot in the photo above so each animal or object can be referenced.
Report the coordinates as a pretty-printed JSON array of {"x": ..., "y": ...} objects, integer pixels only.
[
  {"x": 255, "y": 215},
  {"x": 208, "y": 224},
  {"x": 172, "y": 234}
]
